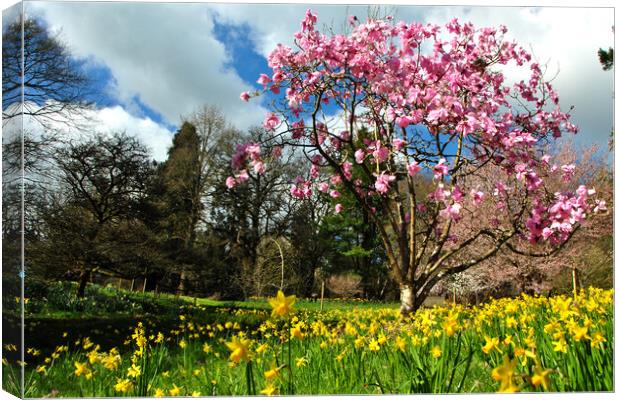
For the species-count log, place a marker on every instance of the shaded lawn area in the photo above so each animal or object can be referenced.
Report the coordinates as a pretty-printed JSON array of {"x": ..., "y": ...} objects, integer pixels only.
[{"x": 52, "y": 325}]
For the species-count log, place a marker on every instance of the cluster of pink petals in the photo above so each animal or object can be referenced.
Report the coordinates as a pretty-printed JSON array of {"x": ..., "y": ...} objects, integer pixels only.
[
  {"x": 302, "y": 189},
  {"x": 401, "y": 87},
  {"x": 556, "y": 222},
  {"x": 382, "y": 183}
]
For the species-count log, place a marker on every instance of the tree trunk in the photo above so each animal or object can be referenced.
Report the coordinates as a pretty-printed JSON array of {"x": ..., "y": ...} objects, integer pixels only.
[
  {"x": 407, "y": 299},
  {"x": 81, "y": 291},
  {"x": 575, "y": 282},
  {"x": 182, "y": 288}
]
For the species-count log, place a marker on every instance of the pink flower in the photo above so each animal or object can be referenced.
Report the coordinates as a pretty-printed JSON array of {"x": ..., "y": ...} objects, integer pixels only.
[
  {"x": 521, "y": 171},
  {"x": 346, "y": 170},
  {"x": 359, "y": 156},
  {"x": 314, "y": 171},
  {"x": 277, "y": 76},
  {"x": 413, "y": 168},
  {"x": 477, "y": 196},
  {"x": 323, "y": 187},
  {"x": 403, "y": 122},
  {"x": 230, "y": 182},
  {"x": 271, "y": 121},
  {"x": 457, "y": 195},
  {"x": 546, "y": 232},
  {"x": 253, "y": 150},
  {"x": 398, "y": 144},
  {"x": 451, "y": 212},
  {"x": 567, "y": 172},
  {"x": 382, "y": 184},
  {"x": 263, "y": 80},
  {"x": 243, "y": 176},
  {"x": 334, "y": 194},
  {"x": 259, "y": 167},
  {"x": 601, "y": 205},
  {"x": 245, "y": 96},
  {"x": 440, "y": 169},
  {"x": 338, "y": 208},
  {"x": 380, "y": 153}
]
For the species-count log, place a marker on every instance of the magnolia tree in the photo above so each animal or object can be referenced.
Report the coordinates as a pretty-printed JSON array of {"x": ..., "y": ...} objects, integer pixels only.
[{"x": 383, "y": 110}]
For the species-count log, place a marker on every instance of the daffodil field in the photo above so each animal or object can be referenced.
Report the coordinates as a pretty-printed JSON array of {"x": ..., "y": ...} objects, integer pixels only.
[{"x": 527, "y": 344}]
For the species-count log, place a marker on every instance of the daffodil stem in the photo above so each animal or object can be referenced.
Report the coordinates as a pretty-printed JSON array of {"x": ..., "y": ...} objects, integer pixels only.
[
  {"x": 248, "y": 377},
  {"x": 290, "y": 366}
]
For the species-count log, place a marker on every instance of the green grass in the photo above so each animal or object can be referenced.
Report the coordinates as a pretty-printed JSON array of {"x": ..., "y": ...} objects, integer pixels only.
[{"x": 349, "y": 350}]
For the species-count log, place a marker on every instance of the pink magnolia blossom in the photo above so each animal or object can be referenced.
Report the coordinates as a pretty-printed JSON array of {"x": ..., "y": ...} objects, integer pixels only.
[
  {"x": 457, "y": 195},
  {"x": 263, "y": 80},
  {"x": 259, "y": 167},
  {"x": 359, "y": 156},
  {"x": 242, "y": 176},
  {"x": 230, "y": 182},
  {"x": 452, "y": 212},
  {"x": 441, "y": 169},
  {"x": 395, "y": 75},
  {"x": 245, "y": 96},
  {"x": 477, "y": 196},
  {"x": 398, "y": 144},
  {"x": 382, "y": 184},
  {"x": 413, "y": 168},
  {"x": 567, "y": 172},
  {"x": 271, "y": 122}
]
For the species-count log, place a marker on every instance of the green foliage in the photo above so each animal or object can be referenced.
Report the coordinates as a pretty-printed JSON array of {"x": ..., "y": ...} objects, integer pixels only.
[{"x": 606, "y": 58}]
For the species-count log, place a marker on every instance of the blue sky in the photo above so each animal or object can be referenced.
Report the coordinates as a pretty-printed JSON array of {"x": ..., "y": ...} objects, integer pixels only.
[{"x": 155, "y": 62}]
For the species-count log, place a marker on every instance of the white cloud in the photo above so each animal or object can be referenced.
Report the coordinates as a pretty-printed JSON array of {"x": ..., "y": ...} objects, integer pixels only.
[
  {"x": 166, "y": 55},
  {"x": 105, "y": 121},
  {"x": 567, "y": 38},
  {"x": 153, "y": 135}
]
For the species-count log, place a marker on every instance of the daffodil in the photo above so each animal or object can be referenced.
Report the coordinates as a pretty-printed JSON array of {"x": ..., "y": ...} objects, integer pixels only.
[
  {"x": 490, "y": 345},
  {"x": 400, "y": 343},
  {"x": 281, "y": 304},
  {"x": 269, "y": 390},
  {"x": 541, "y": 377},
  {"x": 260, "y": 349},
  {"x": 597, "y": 339},
  {"x": 133, "y": 371},
  {"x": 81, "y": 369},
  {"x": 175, "y": 391},
  {"x": 297, "y": 333},
  {"x": 272, "y": 373},
  {"x": 504, "y": 374},
  {"x": 123, "y": 385},
  {"x": 239, "y": 349}
]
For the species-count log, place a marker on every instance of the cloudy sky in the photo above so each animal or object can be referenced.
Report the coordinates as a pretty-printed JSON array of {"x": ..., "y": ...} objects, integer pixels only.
[{"x": 155, "y": 62}]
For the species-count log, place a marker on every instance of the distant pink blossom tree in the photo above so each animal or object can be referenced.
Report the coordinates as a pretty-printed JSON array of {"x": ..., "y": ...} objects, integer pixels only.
[{"x": 432, "y": 105}]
